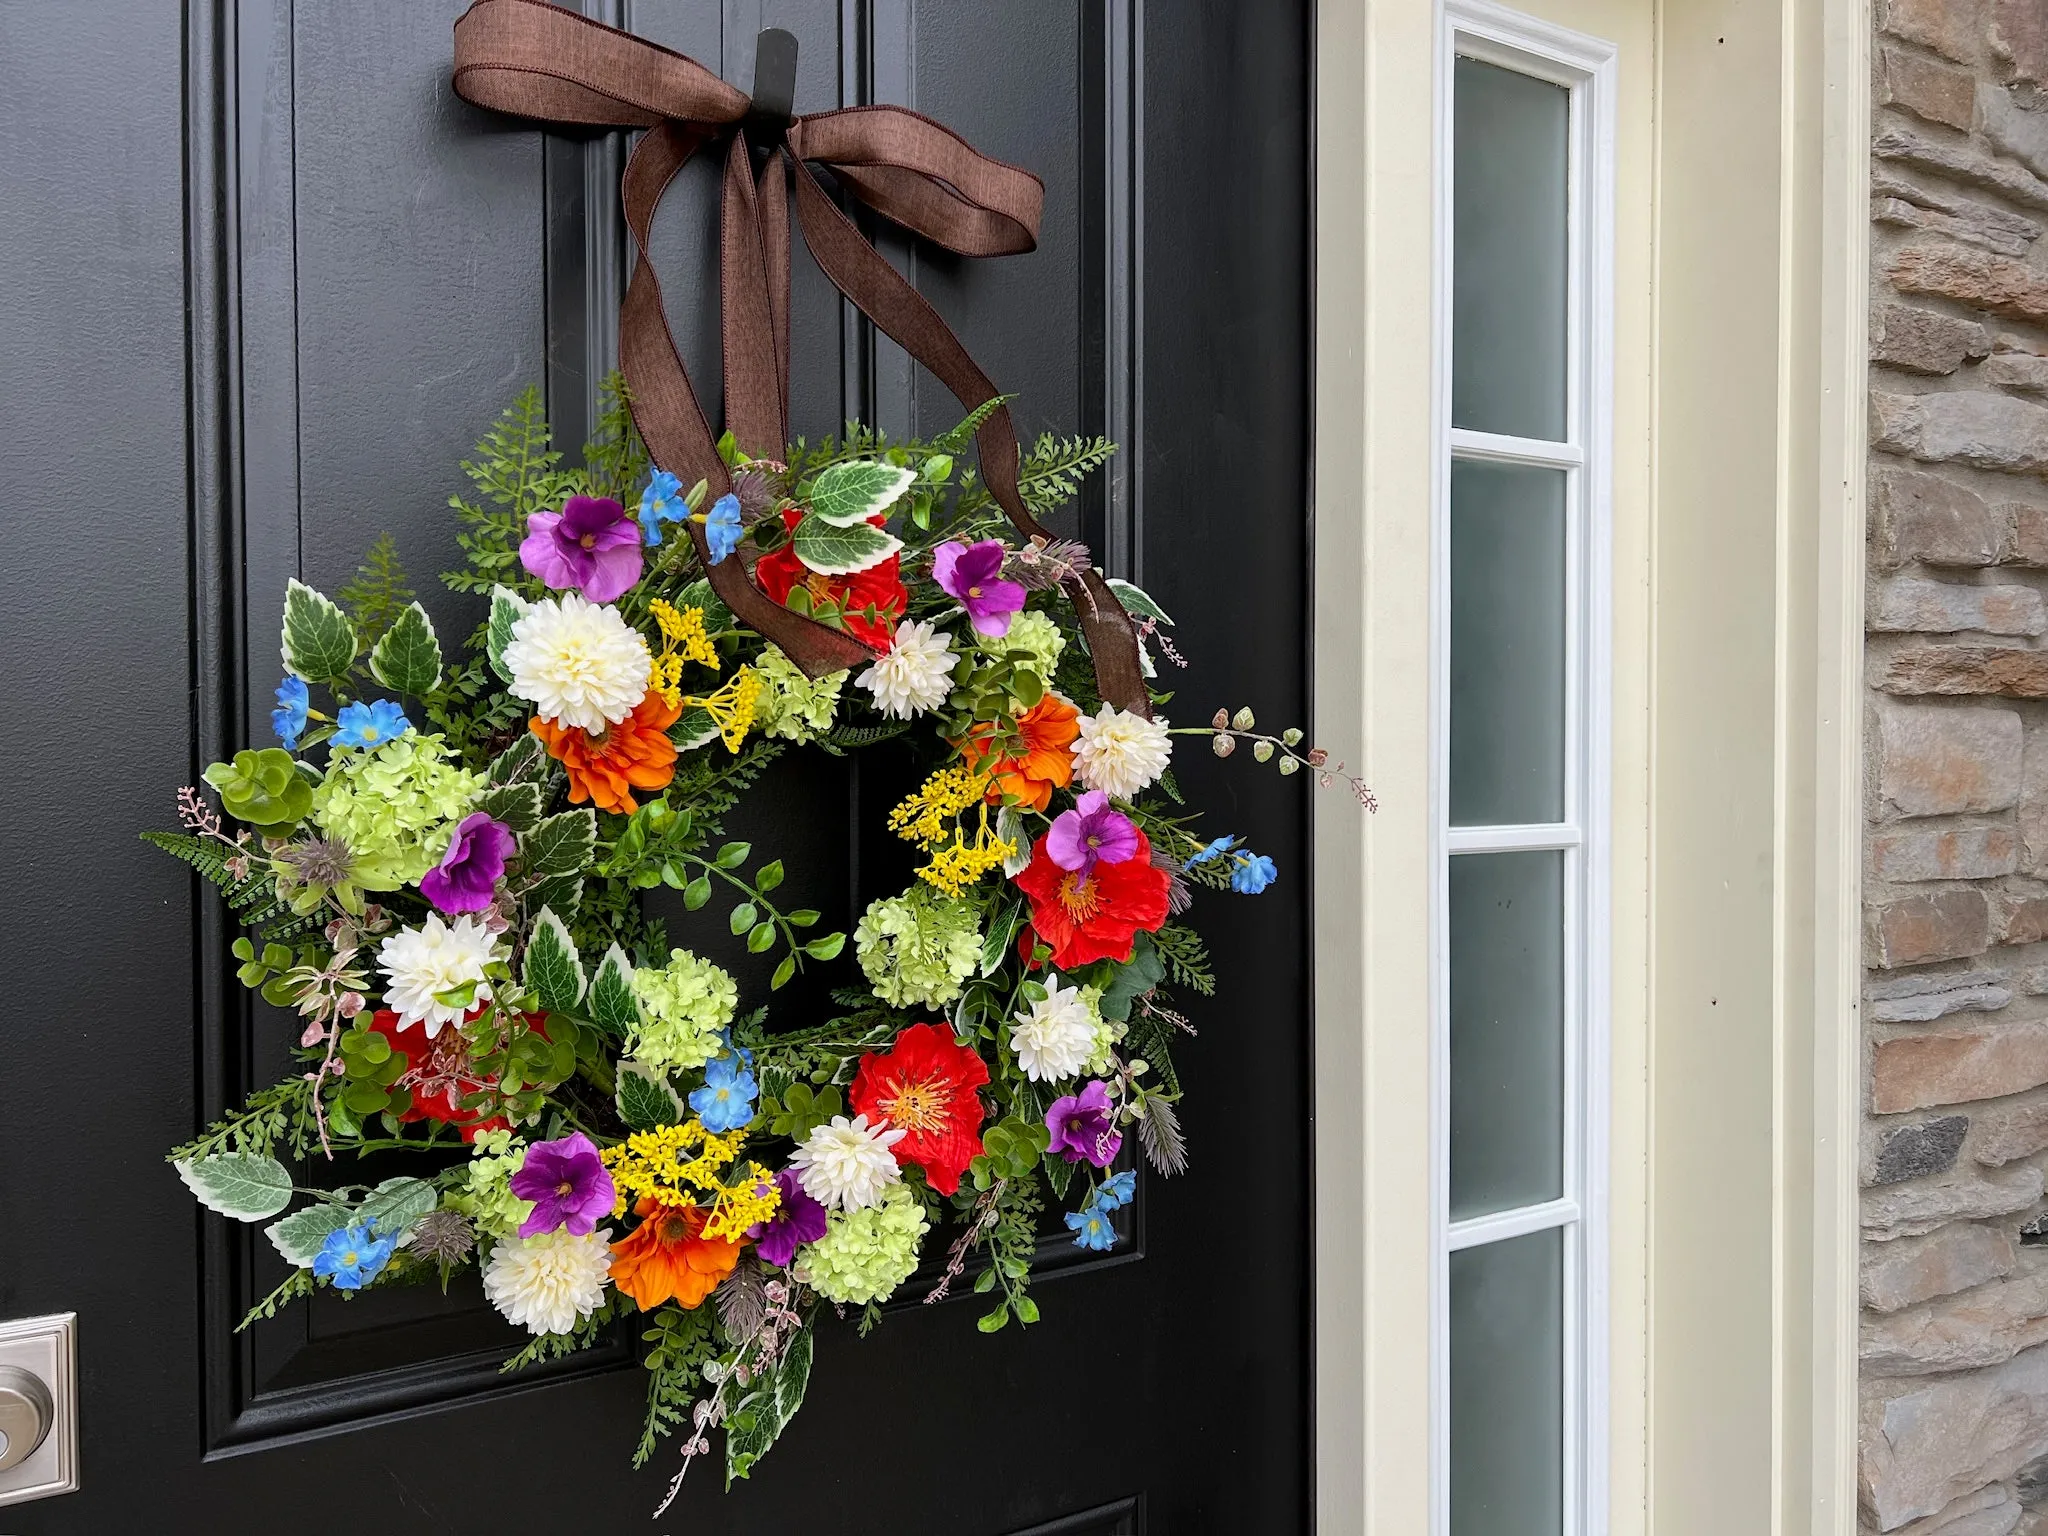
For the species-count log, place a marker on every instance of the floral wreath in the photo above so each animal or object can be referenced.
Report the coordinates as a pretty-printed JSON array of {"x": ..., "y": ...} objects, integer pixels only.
[{"x": 440, "y": 867}]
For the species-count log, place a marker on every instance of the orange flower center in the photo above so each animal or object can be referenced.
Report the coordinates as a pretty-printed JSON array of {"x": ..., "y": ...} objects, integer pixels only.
[
  {"x": 1082, "y": 898},
  {"x": 916, "y": 1107},
  {"x": 818, "y": 585},
  {"x": 674, "y": 1228}
]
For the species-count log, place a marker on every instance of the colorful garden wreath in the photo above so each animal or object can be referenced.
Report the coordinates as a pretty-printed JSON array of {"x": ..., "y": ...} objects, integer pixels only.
[{"x": 440, "y": 868}]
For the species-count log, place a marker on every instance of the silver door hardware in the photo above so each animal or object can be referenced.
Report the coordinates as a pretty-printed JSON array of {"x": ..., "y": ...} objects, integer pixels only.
[
  {"x": 38, "y": 1407},
  {"x": 25, "y": 1415}
]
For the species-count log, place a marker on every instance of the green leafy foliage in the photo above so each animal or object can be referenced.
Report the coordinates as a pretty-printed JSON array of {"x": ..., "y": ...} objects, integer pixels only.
[
  {"x": 278, "y": 1115},
  {"x": 297, "y": 1284},
  {"x": 244, "y": 1185},
  {"x": 298, "y": 1237},
  {"x": 554, "y": 971},
  {"x": 767, "y": 1405},
  {"x": 835, "y": 551},
  {"x": 681, "y": 1344},
  {"x": 645, "y": 1099},
  {"x": 1186, "y": 958},
  {"x": 506, "y": 609},
  {"x": 613, "y": 1005},
  {"x": 319, "y": 642},
  {"x": 1133, "y": 979},
  {"x": 515, "y": 474},
  {"x": 561, "y": 846},
  {"x": 252, "y": 898},
  {"x": 518, "y": 806},
  {"x": 1051, "y": 473},
  {"x": 378, "y": 591},
  {"x": 407, "y": 659},
  {"x": 848, "y": 494},
  {"x": 264, "y": 788}
]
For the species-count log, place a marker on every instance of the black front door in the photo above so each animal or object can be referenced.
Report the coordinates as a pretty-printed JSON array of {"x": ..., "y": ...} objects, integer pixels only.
[{"x": 267, "y": 279}]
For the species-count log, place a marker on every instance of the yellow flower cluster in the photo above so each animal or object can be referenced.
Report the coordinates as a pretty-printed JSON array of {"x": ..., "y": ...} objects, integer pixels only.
[
  {"x": 739, "y": 1206},
  {"x": 960, "y": 863},
  {"x": 683, "y": 640},
  {"x": 731, "y": 708},
  {"x": 676, "y": 1164},
  {"x": 926, "y": 816}
]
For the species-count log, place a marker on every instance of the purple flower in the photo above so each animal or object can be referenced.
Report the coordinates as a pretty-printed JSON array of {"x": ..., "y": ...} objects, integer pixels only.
[
  {"x": 1081, "y": 1128},
  {"x": 568, "y": 1184},
  {"x": 466, "y": 878},
  {"x": 592, "y": 544},
  {"x": 798, "y": 1220},
  {"x": 1091, "y": 833},
  {"x": 972, "y": 573}
]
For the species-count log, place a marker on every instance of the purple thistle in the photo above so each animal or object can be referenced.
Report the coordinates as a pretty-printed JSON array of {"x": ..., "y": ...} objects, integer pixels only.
[
  {"x": 592, "y": 544},
  {"x": 1089, "y": 834},
  {"x": 972, "y": 574},
  {"x": 568, "y": 1184},
  {"x": 798, "y": 1220},
  {"x": 1081, "y": 1126},
  {"x": 466, "y": 878}
]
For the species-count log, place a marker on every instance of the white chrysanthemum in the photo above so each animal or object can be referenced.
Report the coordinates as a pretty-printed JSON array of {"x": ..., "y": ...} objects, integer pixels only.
[
  {"x": 580, "y": 664},
  {"x": 436, "y": 957},
  {"x": 546, "y": 1283},
  {"x": 847, "y": 1164},
  {"x": 1056, "y": 1038},
  {"x": 916, "y": 675},
  {"x": 1120, "y": 753}
]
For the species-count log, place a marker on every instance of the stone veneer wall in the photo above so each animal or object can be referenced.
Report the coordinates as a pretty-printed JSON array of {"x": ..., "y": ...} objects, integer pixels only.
[{"x": 1955, "y": 1154}]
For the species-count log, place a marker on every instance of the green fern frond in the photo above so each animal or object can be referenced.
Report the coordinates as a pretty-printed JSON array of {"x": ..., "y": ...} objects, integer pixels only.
[
  {"x": 1186, "y": 957},
  {"x": 377, "y": 593},
  {"x": 615, "y": 462},
  {"x": 1051, "y": 473},
  {"x": 959, "y": 437}
]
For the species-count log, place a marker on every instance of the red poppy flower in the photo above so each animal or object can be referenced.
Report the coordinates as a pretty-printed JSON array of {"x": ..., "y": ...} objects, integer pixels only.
[
  {"x": 926, "y": 1087},
  {"x": 869, "y": 602},
  {"x": 439, "y": 1073},
  {"x": 1096, "y": 916}
]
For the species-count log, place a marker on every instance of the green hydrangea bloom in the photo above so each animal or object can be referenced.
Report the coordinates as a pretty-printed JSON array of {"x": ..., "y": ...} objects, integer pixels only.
[
  {"x": 395, "y": 806},
  {"x": 864, "y": 1255},
  {"x": 791, "y": 705},
  {"x": 1108, "y": 1033},
  {"x": 486, "y": 1197},
  {"x": 1030, "y": 631},
  {"x": 683, "y": 1006},
  {"x": 918, "y": 947}
]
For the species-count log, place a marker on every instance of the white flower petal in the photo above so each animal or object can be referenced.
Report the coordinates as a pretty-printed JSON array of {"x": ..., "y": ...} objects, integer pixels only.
[
  {"x": 1121, "y": 753},
  {"x": 916, "y": 675},
  {"x": 580, "y": 664},
  {"x": 436, "y": 957},
  {"x": 546, "y": 1284}
]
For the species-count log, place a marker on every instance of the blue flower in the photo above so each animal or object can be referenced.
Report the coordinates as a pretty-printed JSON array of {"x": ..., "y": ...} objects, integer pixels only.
[
  {"x": 726, "y": 1101},
  {"x": 722, "y": 526},
  {"x": 353, "y": 1255},
  {"x": 662, "y": 502},
  {"x": 1214, "y": 850},
  {"x": 1116, "y": 1190},
  {"x": 1091, "y": 1228},
  {"x": 1252, "y": 874},
  {"x": 370, "y": 725},
  {"x": 289, "y": 718}
]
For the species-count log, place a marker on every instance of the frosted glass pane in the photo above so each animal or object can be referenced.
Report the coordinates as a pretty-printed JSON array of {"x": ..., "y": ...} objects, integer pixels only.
[
  {"x": 1507, "y": 1030},
  {"x": 1507, "y": 644},
  {"x": 1509, "y": 251},
  {"x": 1507, "y": 1387}
]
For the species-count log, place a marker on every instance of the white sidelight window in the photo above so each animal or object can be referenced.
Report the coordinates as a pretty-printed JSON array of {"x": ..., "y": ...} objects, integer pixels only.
[{"x": 1522, "y": 511}]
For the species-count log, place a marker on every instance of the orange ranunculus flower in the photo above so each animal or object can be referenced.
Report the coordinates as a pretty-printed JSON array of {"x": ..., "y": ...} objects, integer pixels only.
[
  {"x": 1046, "y": 763},
  {"x": 634, "y": 754},
  {"x": 665, "y": 1257}
]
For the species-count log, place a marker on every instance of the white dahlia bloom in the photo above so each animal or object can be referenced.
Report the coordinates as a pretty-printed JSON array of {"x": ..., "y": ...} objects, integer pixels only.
[
  {"x": 1120, "y": 753},
  {"x": 546, "y": 1283},
  {"x": 916, "y": 675},
  {"x": 436, "y": 957},
  {"x": 580, "y": 664},
  {"x": 847, "y": 1165},
  {"x": 1056, "y": 1038}
]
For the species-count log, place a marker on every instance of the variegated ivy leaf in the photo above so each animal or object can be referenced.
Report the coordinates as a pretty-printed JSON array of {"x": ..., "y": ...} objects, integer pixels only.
[
  {"x": 1137, "y": 600},
  {"x": 846, "y": 494},
  {"x": 407, "y": 658},
  {"x": 524, "y": 757},
  {"x": 243, "y": 1185},
  {"x": 645, "y": 1098},
  {"x": 766, "y": 1408},
  {"x": 319, "y": 641},
  {"x": 507, "y": 607},
  {"x": 397, "y": 1203},
  {"x": 834, "y": 551},
  {"x": 560, "y": 846},
  {"x": 299, "y": 1236},
  {"x": 613, "y": 1004},
  {"x": 516, "y": 805},
  {"x": 554, "y": 971}
]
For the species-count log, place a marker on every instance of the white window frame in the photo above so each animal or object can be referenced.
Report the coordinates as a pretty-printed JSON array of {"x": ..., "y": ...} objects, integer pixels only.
[{"x": 1586, "y": 67}]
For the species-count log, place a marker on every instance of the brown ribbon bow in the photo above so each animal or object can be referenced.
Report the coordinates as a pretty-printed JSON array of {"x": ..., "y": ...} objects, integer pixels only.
[{"x": 537, "y": 60}]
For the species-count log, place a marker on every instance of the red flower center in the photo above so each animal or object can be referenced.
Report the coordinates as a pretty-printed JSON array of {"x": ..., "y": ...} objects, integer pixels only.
[{"x": 1081, "y": 897}]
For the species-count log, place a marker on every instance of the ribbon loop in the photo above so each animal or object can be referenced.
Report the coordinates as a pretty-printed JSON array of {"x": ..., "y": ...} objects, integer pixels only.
[{"x": 539, "y": 61}]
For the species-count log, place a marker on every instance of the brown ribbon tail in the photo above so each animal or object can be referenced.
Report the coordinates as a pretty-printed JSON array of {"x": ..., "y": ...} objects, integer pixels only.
[
  {"x": 753, "y": 382},
  {"x": 672, "y": 423},
  {"x": 882, "y": 294},
  {"x": 533, "y": 59}
]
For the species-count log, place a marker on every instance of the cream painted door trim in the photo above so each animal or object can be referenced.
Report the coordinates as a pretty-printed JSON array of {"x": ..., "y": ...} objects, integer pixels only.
[{"x": 1737, "y": 829}]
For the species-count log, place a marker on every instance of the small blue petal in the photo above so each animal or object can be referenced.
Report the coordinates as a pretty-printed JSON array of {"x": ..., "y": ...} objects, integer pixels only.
[
  {"x": 1252, "y": 874},
  {"x": 722, "y": 527},
  {"x": 661, "y": 502},
  {"x": 1214, "y": 850},
  {"x": 370, "y": 725}
]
